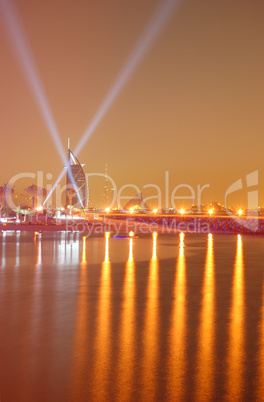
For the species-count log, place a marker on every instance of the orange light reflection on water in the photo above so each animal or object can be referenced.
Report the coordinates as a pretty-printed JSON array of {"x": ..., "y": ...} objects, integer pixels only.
[
  {"x": 177, "y": 334},
  {"x": 17, "y": 249},
  {"x": 154, "y": 246},
  {"x": 39, "y": 256},
  {"x": 125, "y": 362},
  {"x": 102, "y": 345},
  {"x": 3, "y": 263},
  {"x": 260, "y": 376},
  {"x": 84, "y": 259},
  {"x": 131, "y": 256},
  {"x": 150, "y": 332},
  {"x": 107, "y": 235},
  {"x": 34, "y": 319},
  {"x": 80, "y": 336},
  {"x": 235, "y": 354},
  {"x": 206, "y": 332}
]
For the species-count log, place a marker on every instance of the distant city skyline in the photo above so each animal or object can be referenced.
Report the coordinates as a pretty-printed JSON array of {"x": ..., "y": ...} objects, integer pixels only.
[{"x": 192, "y": 107}]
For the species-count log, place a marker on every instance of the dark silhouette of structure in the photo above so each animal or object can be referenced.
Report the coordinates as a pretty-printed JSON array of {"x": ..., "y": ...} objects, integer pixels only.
[{"x": 136, "y": 203}]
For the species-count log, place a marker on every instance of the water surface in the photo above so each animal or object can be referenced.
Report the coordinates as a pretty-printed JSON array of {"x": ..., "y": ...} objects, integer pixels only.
[{"x": 162, "y": 317}]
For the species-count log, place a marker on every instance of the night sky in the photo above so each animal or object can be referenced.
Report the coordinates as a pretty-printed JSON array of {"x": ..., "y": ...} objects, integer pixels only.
[{"x": 193, "y": 105}]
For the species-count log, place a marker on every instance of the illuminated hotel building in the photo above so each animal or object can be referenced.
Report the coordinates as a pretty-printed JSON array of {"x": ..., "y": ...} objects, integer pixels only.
[{"x": 75, "y": 179}]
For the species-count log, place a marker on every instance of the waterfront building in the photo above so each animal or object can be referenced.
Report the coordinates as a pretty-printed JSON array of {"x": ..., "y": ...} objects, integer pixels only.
[{"x": 75, "y": 180}]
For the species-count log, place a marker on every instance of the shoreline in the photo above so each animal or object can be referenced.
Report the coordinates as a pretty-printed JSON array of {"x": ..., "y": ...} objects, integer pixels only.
[{"x": 147, "y": 225}]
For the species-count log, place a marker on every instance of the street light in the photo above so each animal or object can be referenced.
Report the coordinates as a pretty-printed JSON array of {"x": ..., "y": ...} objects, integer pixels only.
[{"x": 38, "y": 209}]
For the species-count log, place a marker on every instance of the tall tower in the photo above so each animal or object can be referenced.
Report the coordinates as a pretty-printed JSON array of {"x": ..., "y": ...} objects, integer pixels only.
[{"x": 75, "y": 181}]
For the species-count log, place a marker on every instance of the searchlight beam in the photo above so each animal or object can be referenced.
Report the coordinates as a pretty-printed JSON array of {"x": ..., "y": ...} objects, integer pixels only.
[
  {"x": 18, "y": 40},
  {"x": 24, "y": 55},
  {"x": 155, "y": 25},
  {"x": 16, "y": 34}
]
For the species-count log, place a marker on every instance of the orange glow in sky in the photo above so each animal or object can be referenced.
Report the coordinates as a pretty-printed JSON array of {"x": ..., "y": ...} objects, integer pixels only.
[{"x": 198, "y": 90}]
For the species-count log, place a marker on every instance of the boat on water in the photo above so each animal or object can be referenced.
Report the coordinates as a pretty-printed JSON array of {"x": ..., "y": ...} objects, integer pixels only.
[{"x": 130, "y": 235}]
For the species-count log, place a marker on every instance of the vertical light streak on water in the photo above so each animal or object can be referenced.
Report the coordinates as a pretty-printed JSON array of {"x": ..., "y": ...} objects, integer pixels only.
[
  {"x": 55, "y": 249},
  {"x": 30, "y": 327},
  {"x": 84, "y": 257},
  {"x": 102, "y": 337},
  {"x": 37, "y": 285},
  {"x": 177, "y": 335},
  {"x": 131, "y": 252},
  {"x": 16, "y": 270},
  {"x": 127, "y": 331},
  {"x": 72, "y": 252},
  {"x": 236, "y": 353},
  {"x": 154, "y": 246},
  {"x": 39, "y": 254},
  {"x": 36, "y": 319},
  {"x": 3, "y": 263},
  {"x": 17, "y": 248},
  {"x": 206, "y": 331},
  {"x": 107, "y": 235},
  {"x": 61, "y": 254},
  {"x": 81, "y": 330},
  {"x": 260, "y": 358},
  {"x": 68, "y": 249},
  {"x": 150, "y": 334}
]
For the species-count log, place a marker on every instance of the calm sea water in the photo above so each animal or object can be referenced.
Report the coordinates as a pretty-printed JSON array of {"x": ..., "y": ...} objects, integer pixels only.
[{"x": 155, "y": 318}]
